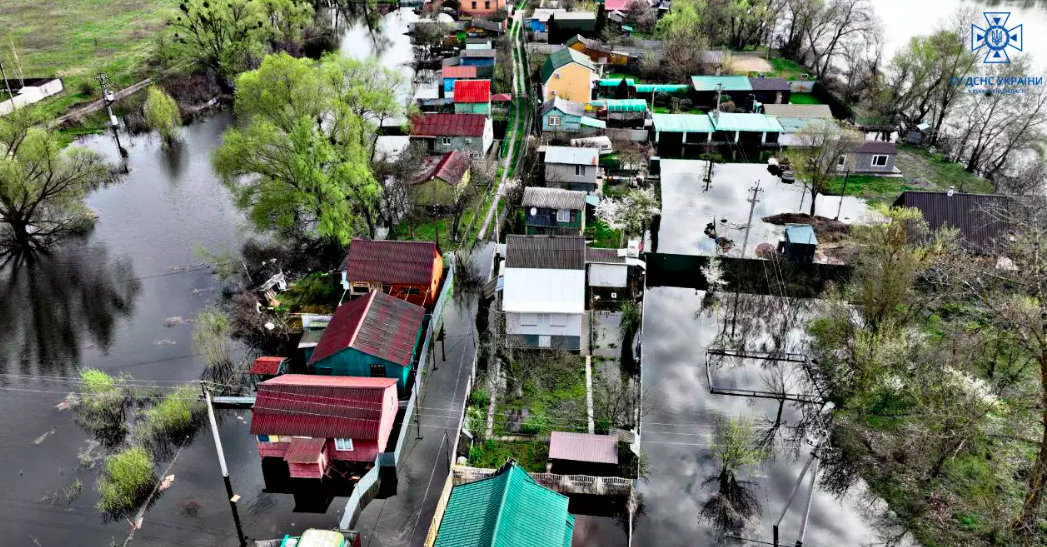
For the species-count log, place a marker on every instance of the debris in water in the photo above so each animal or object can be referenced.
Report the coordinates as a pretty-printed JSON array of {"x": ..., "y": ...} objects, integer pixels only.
[
  {"x": 43, "y": 437},
  {"x": 176, "y": 321},
  {"x": 165, "y": 342},
  {"x": 70, "y": 401},
  {"x": 166, "y": 483}
]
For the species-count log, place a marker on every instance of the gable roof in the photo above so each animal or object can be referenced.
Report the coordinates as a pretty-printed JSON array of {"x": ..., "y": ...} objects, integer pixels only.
[
  {"x": 572, "y": 155},
  {"x": 588, "y": 43},
  {"x": 448, "y": 125},
  {"x": 509, "y": 509},
  {"x": 972, "y": 214},
  {"x": 320, "y": 406},
  {"x": 876, "y": 147},
  {"x": 553, "y": 198},
  {"x": 545, "y": 252},
  {"x": 483, "y": 53},
  {"x": 450, "y": 168},
  {"x": 583, "y": 447},
  {"x": 378, "y": 324},
  {"x": 564, "y": 57},
  {"x": 459, "y": 71},
  {"x": 485, "y": 24},
  {"x": 769, "y": 84},
  {"x": 267, "y": 365},
  {"x": 798, "y": 111},
  {"x": 740, "y": 121},
  {"x": 388, "y": 262},
  {"x": 682, "y": 123},
  {"x": 574, "y": 108},
  {"x": 472, "y": 91}
]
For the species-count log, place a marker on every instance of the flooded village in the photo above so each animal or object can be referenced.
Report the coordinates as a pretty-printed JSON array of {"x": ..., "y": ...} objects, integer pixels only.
[{"x": 548, "y": 272}]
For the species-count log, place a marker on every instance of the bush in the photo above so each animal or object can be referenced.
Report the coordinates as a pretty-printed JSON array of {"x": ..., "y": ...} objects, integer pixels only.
[
  {"x": 102, "y": 407},
  {"x": 479, "y": 398},
  {"x": 161, "y": 114},
  {"x": 176, "y": 415},
  {"x": 127, "y": 479}
]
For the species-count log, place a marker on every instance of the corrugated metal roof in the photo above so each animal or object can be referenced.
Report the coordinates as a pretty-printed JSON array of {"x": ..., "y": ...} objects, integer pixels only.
[
  {"x": 730, "y": 83},
  {"x": 661, "y": 88},
  {"x": 593, "y": 122},
  {"x": 450, "y": 168},
  {"x": 533, "y": 290},
  {"x": 472, "y": 91},
  {"x": 573, "y": 108},
  {"x": 546, "y": 252},
  {"x": 553, "y": 198},
  {"x": 798, "y": 111},
  {"x": 614, "y": 82},
  {"x": 583, "y": 447},
  {"x": 388, "y": 262},
  {"x": 448, "y": 125},
  {"x": 571, "y": 155},
  {"x": 509, "y": 509},
  {"x": 801, "y": 233},
  {"x": 459, "y": 71},
  {"x": 320, "y": 406},
  {"x": 267, "y": 365},
  {"x": 733, "y": 121},
  {"x": 605, "y": 256},
  {"x": 304, "y": 450},
  {"x": 564, "y": 57},
  {"x": 378, "y": 325},
  {"x": 976, "y": 216},
  {"x": 623, "y": 105},
  {"x": 794, "y": 125},
  {"x": 477, "y": 53},
  {"x": 683, "y": 123},
  {"x": 876, "y": 147}
]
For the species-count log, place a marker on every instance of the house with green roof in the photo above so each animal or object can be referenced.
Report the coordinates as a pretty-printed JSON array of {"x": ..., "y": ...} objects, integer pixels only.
[
  {"x": 568, "y": 74},
  {"x": 509, "y": 509},
  {"x": 673, "y": 132}
]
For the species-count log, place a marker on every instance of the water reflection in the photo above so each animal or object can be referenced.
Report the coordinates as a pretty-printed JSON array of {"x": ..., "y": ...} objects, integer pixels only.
[{"x": 56, "y": 302}]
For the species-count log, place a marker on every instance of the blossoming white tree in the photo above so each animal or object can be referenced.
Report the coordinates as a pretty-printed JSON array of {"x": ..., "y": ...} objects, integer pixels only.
[{"x": 629, "y": 213}]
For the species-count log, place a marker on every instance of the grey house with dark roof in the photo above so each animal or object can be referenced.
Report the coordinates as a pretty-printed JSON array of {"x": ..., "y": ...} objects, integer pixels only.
[
  {"x": 870, "y": 158},
  {"x": 552, "y": 211}
]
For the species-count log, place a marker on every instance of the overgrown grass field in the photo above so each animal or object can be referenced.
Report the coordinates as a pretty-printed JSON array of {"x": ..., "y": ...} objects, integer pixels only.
[{"x": 75, "y": 39}]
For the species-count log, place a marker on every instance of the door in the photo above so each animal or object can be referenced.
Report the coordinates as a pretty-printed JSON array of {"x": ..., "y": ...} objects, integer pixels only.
[{"x": 545, "y": 341}]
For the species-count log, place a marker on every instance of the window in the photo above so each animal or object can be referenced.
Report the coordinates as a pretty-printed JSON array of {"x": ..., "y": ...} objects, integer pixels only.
[
  {"x": 554, "y": 121},
  {"x": 377, "y": 371},
  {"x": 579, "y": 170},
  {"x": 264, "y": 439},
  {"x": 446, "y": 141},
  {"x": 543, "y": 318},
  {"x": 563, "y": 215},
  {"x": 411, "y": 290},
  {"x": 557, "y": 75},
  {"x": 879, "y": 160},
  {"x": 545, "y": 341},
  {"x": 528, "y": 319},
  {"x": 487, "y": 5},
  {"x": 558, "y": 320},
  {"x": 841, "y": 161},
  {"x": 345, "y": 445},
  {"x": 474, "y": 5}
]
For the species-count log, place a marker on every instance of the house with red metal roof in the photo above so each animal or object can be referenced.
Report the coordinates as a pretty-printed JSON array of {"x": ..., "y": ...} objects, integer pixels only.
[
  {"x": 409, "y": 270},
  {"x": 374, "y": 336},
  {"x": 441, "y": 180},
  {"x": 266, "y": 367},
  {"x": 469, "y": 133},
  {"x": 472, "y": 97},
  {"x": 311, "y": 421},
  {"x": 453, "y": 73}
]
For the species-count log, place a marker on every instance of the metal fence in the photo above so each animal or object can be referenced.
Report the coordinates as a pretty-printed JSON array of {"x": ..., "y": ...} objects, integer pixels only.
[{"x": 369, "y": 482}]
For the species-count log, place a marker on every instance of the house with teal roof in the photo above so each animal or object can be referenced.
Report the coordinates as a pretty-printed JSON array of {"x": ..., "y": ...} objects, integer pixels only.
[{"x": 509, "y": 509}]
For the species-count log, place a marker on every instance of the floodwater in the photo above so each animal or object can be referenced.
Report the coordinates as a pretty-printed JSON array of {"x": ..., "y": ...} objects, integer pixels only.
[{"x": 677, "y": 430}]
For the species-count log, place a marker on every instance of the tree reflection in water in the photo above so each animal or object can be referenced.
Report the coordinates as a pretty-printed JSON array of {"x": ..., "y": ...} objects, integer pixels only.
[
  {"x": 53, "y": 303},
  {"x": 734, "y": 503}
]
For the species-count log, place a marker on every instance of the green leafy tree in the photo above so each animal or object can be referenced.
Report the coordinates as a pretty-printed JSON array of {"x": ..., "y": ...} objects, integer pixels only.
[
  {"x": 816, "y": 155},
  {"x": 161, "y": 114},
  {"x": 42, "y": 185},
  {"x": 368, "y": 89},
  {"x": 226, "y": 36},
  {"x": 300, "y": 166}
]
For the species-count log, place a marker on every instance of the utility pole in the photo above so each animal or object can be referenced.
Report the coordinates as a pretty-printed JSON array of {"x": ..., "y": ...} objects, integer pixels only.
[
  {"x": 719, "y": 92},
  {"x": 7, "y": 85},
  {"x": 844, "y": 193},
  {"x": 233, "y": 498},
  {"x": 108, "y": 98},
  {"x": 752, "y": 208}
]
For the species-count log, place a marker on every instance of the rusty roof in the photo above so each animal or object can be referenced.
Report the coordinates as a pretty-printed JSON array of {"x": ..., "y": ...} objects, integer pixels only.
[
  {"x": 267, "y": 365},
  {"x": 388, "y": 262},
  {"x": 320, "y": 406},
  {"x": 304, "y": 450},
  {"x": 583, "y": 447},
  {"x": 545, "y": 252},
  {"x": 379, "y": 325},
  {"x": 448, "y": 125}
]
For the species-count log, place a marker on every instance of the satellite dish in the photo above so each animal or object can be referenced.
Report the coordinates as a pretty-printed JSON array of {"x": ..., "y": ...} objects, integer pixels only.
[{"x": 534, "y": 211}]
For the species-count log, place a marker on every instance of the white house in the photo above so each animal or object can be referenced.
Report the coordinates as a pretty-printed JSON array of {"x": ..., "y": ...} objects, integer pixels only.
[
  {"x": 543, "y": 294},
  {"x": 27, "y": 91}
]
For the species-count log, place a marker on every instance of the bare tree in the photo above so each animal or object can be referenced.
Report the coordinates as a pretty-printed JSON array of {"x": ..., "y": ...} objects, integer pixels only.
[
  {"x": 837, "y": 23},
  {"x": 816, "y": 155}
]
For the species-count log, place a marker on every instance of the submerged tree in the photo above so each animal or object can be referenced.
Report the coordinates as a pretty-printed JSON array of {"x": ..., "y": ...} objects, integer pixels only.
[
  {"x": 733, "y": 503},
  {"x": 816, "y": 156},
  {"x": 42, "y": 185},
  {"x": 161, "y": 114},
  {"x": 226, "y": 36}
]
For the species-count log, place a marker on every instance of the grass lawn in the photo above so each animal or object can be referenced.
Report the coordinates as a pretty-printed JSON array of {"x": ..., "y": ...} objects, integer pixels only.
[
  {"x": 869, "y": 186},
  {"x": 921, "y": 166},
  {"x": 552, "y": 392},
  {"x": 314, "y": 293},
  {"x": 602, "y": 234},
  {"x": 788, "y": 69},
  {"x": 75, "y": 39},
  {"x": 803, "y": 98},
  {"x": 531, "y": 455}
]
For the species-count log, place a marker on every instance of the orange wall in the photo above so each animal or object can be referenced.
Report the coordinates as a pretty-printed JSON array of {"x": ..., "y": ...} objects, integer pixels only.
[{"x": 480, "y": 9}]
